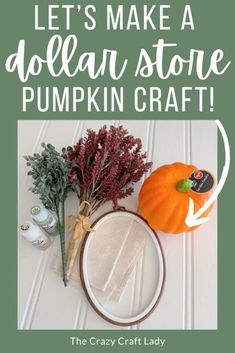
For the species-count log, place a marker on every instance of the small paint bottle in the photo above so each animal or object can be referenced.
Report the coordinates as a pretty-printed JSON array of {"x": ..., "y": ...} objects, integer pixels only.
[
  {"x": 44, "y": 219},
  {"x": 33, "y": 234}
]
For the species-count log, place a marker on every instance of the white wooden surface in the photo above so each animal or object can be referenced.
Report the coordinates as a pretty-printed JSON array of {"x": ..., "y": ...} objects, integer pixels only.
[{"x": 189, "y": 300}]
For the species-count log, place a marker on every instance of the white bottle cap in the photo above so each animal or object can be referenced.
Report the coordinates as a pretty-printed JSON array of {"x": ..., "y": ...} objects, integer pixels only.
[
  {"x": 29, "y": 231},
  {"x": 39, "y": 213}
]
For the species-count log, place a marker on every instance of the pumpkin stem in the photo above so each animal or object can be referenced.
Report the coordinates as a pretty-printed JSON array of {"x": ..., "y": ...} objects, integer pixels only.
[{"x": 184, "y": 185}]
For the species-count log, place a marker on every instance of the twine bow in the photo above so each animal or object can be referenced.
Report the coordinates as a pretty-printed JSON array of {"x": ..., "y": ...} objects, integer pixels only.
[{"x": 80, "y": 222}]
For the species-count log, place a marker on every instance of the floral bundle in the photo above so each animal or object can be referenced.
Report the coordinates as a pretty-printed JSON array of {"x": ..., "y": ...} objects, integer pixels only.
[
  {"x": 102, "y": 166},
  {"x": 106, "y": 164}
]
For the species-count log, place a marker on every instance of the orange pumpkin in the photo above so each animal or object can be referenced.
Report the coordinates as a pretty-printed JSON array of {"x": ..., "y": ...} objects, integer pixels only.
[{"x": 164, "y": 198}]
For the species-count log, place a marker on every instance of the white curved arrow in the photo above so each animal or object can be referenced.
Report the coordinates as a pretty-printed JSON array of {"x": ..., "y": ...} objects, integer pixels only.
[{"x": 193, "y": 219}]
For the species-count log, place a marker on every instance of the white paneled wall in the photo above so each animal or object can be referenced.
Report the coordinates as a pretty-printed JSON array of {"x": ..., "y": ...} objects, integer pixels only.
[{"x": 189, "y": 299}]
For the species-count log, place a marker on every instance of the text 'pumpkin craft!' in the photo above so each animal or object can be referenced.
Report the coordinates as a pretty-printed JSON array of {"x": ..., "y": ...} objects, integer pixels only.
[{"x": 164, "y": 196}]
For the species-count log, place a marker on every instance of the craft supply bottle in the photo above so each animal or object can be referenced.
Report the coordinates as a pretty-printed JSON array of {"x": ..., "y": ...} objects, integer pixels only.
[
  {"x": 44, "y": 219},
  {"x": 33, "y": 234}
]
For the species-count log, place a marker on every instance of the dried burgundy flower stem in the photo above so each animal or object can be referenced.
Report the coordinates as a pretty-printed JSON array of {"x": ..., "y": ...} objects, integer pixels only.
[{"x": 106, "y": 164}]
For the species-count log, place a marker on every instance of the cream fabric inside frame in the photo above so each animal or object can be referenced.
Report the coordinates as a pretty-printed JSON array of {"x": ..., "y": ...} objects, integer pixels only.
[{"x": 121, "y": 244}]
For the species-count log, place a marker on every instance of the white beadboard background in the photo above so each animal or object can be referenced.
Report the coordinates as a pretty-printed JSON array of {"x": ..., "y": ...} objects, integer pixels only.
[{"x": 189, "y": 299}]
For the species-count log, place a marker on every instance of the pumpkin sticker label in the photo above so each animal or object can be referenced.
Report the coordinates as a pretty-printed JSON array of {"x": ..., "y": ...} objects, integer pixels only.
[{"x": 202, "y": 181}]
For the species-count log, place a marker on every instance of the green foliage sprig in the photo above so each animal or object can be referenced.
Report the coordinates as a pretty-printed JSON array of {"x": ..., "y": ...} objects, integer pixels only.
[{"x": 49, "y": 170}]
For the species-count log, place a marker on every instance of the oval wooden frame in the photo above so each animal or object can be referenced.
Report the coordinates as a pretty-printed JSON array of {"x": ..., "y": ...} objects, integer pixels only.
[{"x": 83, "y": 280}]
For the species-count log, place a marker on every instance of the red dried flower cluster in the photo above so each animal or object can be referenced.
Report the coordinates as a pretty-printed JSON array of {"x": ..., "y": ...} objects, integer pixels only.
[{"x": 106, "y": 164}]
